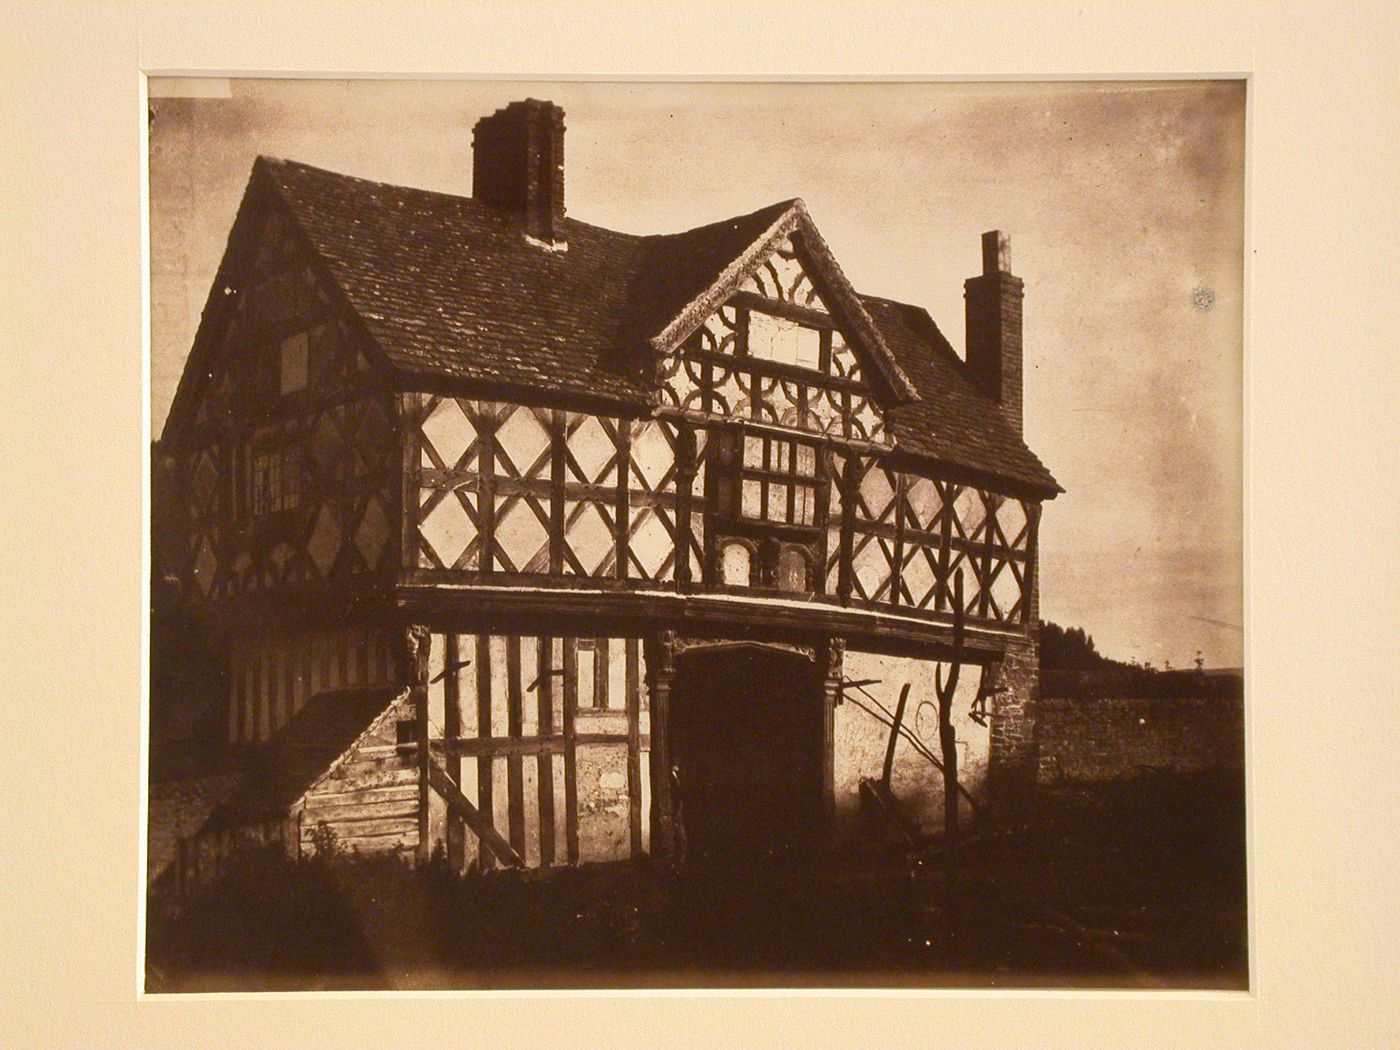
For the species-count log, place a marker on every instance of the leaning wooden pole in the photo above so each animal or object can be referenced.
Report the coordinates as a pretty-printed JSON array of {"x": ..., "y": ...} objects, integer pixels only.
[
  {"x": 894, "y": 737},
  {"x": 947, "y": 737}
]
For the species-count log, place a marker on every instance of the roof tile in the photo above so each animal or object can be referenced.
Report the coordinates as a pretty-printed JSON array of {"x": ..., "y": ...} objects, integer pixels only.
[{"x": 447, "y": 286}]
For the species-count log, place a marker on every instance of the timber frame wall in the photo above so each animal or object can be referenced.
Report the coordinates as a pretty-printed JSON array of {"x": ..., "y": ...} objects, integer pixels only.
[{"x": 535, "y": 496}]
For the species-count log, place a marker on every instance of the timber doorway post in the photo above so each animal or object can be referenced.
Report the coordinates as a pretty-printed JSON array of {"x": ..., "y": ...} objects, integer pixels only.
[{"x": 661, "y": 672}]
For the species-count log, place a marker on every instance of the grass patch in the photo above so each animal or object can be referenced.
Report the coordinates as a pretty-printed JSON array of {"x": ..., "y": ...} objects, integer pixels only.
[{"x": 1139, "y": 882}]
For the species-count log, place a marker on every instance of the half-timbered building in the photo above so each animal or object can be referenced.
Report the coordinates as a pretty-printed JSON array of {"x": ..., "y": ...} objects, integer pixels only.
[{"x": 541, "y": 542}]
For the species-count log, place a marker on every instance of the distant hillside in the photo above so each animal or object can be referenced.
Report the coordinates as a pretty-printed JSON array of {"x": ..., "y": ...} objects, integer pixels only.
[{"x": 1071, "y": 668}]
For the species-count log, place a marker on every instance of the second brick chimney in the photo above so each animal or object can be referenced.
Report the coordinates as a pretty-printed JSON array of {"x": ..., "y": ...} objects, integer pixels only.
[
  {"x": 518, "y": 165},
  {"x": 994, "y": 327}
]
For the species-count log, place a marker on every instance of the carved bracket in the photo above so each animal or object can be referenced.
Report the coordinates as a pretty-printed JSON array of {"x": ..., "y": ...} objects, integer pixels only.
[{"x": 685, "y": 645}]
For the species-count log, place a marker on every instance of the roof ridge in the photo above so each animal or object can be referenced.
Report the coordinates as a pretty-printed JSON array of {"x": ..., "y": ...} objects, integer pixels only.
[
  {"x": 443, "y": 290},
  {"x": 777, "y": 208},
  {"x": 286, "y": 162}
]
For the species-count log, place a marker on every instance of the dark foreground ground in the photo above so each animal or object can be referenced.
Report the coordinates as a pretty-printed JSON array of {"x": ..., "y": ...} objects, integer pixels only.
[{"x": 1136, "y": 883}]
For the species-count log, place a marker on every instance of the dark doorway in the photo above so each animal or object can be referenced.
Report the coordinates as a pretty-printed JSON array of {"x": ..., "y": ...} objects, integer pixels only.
[{"x": 747, "y": 747}]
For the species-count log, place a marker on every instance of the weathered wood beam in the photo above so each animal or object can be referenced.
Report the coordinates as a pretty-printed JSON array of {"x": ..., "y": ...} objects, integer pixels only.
[
  {"x": 452, "y": 730},
  {"x": 410, "y": 434},
  {"x": 519, "y": 746},
  {"x": 473, "y": 817},
  {"x": 685, "y": 480},
  {"x": 894, "y": 736},
  {"x": 832, "y": 667},
  {"x": 545, "y": 761},
  {"x": 558, "y": 443},
  {"x": 332, "y": 811},
  {"x": 850, "y": 484},
  {"x": 622, "y": 520},
  {"x": 903, "y": 631},
  {"x": 515, "y": 770},
  {"x": 416, "y": 643},
  {"x": 661, "y": 671},
  {"x": 485, "y": 423},
  {"x": 947, "y": 736},
  {"x": 634, "y": 742},
  {"x": 570, "y": 750},
  {"x": 484, "y": 762},
  {"x": 791, "y": 311}
]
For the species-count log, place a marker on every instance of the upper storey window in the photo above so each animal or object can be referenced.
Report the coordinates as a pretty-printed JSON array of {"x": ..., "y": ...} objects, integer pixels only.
[
  {"x": 269, "y": 478},
  {"x": 773, "y": 338},
  {"x": 767, "y": 479},
  {"x": 292, "y": 362},
  {"x": 276, "y": 480}
]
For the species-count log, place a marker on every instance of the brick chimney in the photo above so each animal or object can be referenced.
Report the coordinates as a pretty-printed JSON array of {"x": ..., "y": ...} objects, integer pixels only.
[
  {"x": 994, "y": 327},
  {"x": 518, "y": 165}
]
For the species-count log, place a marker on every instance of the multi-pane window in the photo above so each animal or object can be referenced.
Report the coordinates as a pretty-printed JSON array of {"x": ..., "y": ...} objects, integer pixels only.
[
  {"x": 777, "y": 481},
  {"x": 765, "y": 492},
  {"x": 274, "y": 481}
]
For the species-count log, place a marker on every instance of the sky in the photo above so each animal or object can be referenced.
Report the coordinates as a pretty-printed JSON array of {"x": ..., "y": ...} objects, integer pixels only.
[{"x": 1124, "y": 204}]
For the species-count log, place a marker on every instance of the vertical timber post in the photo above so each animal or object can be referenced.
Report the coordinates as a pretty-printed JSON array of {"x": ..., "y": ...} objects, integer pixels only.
[
  {"x": 570, "y": 656},
  {"x": 416, "y": 641},
  {"x": 661, "y": 673},
  {"x": 947, "y": 735},
  {"x": 685, "y": 480},
  {"x": 515, "y": 762},
  {"x": 850, "y": 486},
  {"x": 833, "y": 653},
  {"x": 452, "y": 731},
  {"x": 634, "y": 743}
]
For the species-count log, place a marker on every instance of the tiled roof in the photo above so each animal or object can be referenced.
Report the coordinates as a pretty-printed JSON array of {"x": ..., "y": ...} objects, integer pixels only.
[
  {"x": 447, "y": 286},
  {"x": 952, "y": 421}
]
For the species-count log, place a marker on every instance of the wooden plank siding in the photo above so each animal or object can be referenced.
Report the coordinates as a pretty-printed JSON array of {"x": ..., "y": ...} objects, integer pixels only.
[
  {"x": 543, "y": 725},
  {"x": 371, "y": 803}
]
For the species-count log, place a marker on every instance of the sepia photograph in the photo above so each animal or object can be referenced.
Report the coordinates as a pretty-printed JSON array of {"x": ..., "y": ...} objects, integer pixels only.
[{"x": 693, "y": 535}]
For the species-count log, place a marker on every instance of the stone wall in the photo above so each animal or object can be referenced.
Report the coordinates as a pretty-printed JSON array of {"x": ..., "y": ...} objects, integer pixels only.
[{"x": 1102, "y": 739}]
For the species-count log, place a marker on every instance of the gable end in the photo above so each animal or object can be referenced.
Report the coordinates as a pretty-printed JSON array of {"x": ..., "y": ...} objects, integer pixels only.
[{"x": 831, "y": 284}]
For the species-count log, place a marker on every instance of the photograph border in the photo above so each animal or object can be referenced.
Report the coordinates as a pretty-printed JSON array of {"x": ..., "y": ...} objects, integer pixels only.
[{"x": 80, "y": 80}]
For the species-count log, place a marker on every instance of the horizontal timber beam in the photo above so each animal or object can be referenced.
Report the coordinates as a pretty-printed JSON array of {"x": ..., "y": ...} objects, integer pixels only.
[
  {"x": 521, "y": 745},
  {"x": 467, "y": 608}
]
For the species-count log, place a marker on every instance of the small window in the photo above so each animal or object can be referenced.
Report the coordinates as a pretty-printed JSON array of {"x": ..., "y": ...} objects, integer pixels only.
[
  {"x": 792, "y": 570},
  {"x": 406, "y": 732},
  {"x": 293, "y": 363},
  {"x": 275, "y": 480},
  {"x": 734, "y": 565}
]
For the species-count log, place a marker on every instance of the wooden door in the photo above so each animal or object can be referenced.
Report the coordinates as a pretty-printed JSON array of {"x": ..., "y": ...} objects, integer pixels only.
[{"x": 746, "y": 742}]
